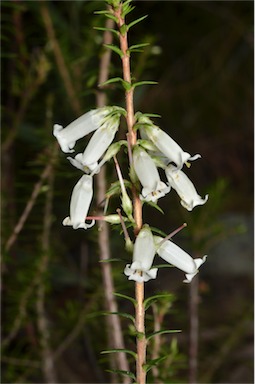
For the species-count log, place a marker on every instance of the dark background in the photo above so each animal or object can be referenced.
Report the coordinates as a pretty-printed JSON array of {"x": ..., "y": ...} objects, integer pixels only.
[{"x": 201, "y": 55}]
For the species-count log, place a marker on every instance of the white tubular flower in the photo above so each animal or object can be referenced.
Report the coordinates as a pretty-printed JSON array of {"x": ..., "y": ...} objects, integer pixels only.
[
  {"x": 99, "y": 143},
  {"x": 168, "y": 146},
  {"x": 144, "y": 251},
  {"x": 147, "y": 173},
  {"x": 80, "y": 202},
  {"x": 80, "y": 127},
  {"x": 184, "y": 187},
  {"x": 176, "y": 256}
]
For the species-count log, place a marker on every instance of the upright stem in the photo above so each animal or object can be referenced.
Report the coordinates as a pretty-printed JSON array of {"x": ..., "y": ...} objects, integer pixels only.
[
  {"x": 114, "y": 331},
  {"x": 132, "y": 137},
  {"x": 193, "y": 333}
]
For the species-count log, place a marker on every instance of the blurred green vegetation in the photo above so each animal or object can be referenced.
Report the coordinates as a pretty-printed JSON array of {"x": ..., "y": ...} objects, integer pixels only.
[{"x": 201, "y": 54}]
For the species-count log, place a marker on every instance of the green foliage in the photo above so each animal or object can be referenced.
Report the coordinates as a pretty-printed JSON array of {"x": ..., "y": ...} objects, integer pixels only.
[
  {"x": 115, "y": 49},
  {"x": 150, "y": 300},
  {"x": 120, "y": 350},
  {"x": 162, "y": 332}
]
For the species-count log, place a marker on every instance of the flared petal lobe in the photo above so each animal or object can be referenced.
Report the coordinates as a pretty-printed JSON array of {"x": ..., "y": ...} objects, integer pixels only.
[
  {"x": 147, "y": 173},
  {"x": 172, "y": 254},
  {"x": 79, "y": 128},
  {"x": 80, "y": 202},
  {"x": 184, "y": 187},
  {"x": 144, "y": 251}
]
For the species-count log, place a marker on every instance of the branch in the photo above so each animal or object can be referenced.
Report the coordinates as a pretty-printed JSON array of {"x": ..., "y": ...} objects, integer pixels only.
[
  {"x": 31, "y": 201},
  {"x": 71, "y": 92},
  {"x": 115, "y": 336},
  {"x": 42, "y": 321}
]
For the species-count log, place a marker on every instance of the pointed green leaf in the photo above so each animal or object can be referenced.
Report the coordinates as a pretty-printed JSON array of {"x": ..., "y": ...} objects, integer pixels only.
[
  {"x": 150, "y": 363},
  {"x": 126, "y": 8},
  {"x": 154, "y": 205},
  {"x": 107, "y": 14},
  {"x": 126, "y": 297},
  {"x": 136, "y": 21},
  {"x": 162, "y": 332},
  {"x": 139, "y": 83},
  {"x": 151, "y": 115},
  {"x": 107, "y": 29},
  {"x": 152, "y": 299},
  {"x": 158, "y": 231},
  {"x": 112, "y": 80},
  {"x": 115, "y": 49},
  {"x": 119, "y": 350},
  {"x": 138, "y": 46},
  {"x": 122, "y": 314},
  {"x": 122, "y": 372}
]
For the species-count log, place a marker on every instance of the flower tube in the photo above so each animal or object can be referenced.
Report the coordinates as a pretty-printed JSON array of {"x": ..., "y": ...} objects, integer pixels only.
[
  {"x": 184, "y": 187},
  {"x": 144, "y": 251},
  {"x": 79, "y": 128},
  {"x": 168, "y": 146},
  {"x": 176, "y": 256},
  {"x": 147, "y": 173},
  {"x": 80, "y": 202},
  {"x": 99, "y": 143}
]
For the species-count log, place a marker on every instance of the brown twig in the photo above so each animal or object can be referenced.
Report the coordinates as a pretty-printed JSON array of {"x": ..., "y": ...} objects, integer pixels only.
[
  {"x": 132, "y": 137},
  {"x": 42, "y": 320},
  {"x": 193, "y": 331},
  {"x": 115, "y": 336},
  {"x": 74, "y": 101},
  {"x": 31, "y": 202}
]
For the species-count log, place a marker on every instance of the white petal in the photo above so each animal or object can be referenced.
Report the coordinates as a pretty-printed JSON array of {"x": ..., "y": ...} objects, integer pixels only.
[
  {"x": 198, "y": 262},
  {"x": 147, "y": 173},
  {"x": 140, "y": 276},
  {"x": 99, "y": 143},
  {"x": 80, "y": 127},
  {"x": 167, "y": 145},
  {"x": 80, "y": 203},
  {"x": 144, "y": 249},
  {"x": 184, "y": 187},
  {"x": 176, "y": 256},
  {"x": 143, "y": 255},
  {"x": 77, "y": 161}
]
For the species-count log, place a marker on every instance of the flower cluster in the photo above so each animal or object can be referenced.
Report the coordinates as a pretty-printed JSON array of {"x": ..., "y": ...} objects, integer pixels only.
[
  {"x": 157, "y": 149},
  {"x": 105, "y": 122},
  {"x": 170, "y": 156},
  {"x": 145, "y": 248},
  {"x": 154, "y": 149}
]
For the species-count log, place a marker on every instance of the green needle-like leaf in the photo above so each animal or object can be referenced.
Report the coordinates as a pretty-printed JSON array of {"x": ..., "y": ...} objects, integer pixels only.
[
  {"x": 107, "y": 29},
  {"x": 152, "y": 299},
  {"x": 126, "y": 297},
  {"x": 138, "y": 46},
  {"x": 139, "y": 83},
  {"x": 162, "y": 332},
  {"x": 112, "y": 80},
  {"x": 136, "y": 21},
  {"x": 154, "y": 205},
  {"x": 122, "y": 314},
  {"x": 150, "y": 363},
  {"x": 115, "y": 49},
  {"x": 119, "y": 350},
  {"x": 122, "y": 372}
]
